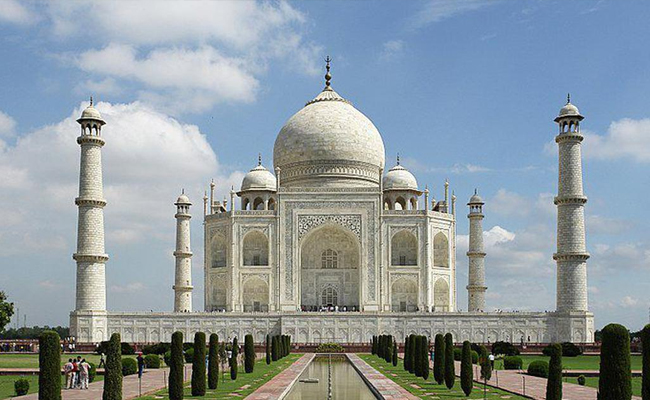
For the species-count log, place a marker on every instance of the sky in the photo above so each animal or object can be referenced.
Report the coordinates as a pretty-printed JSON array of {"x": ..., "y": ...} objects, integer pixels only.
[{"x": 463, "y": 90}]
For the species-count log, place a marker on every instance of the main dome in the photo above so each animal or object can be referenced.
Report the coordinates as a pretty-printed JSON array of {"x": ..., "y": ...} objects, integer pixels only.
[{"x": 329, "y": 143}]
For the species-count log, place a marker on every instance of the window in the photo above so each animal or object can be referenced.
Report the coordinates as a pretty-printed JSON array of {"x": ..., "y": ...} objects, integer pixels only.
[
  {"x": 256, "y": 259},
  {"x": 329, "y": 259},
  {"x": 402, "y": 260},
  {"x": 329, "y": 297}
]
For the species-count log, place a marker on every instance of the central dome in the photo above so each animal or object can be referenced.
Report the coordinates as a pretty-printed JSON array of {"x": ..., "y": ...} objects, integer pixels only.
[{"x": 329, "y": 143}]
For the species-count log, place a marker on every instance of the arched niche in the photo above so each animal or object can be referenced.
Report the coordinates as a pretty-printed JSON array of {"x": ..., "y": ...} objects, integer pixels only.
[
  {"x": 255, "y": 295},
  {"x": 255, "y": 249},
  {"x": 218, "y": 249},
  {"x": 441, "y": 251},
  {"x": 404, "y": 248},
  {"x": 441, "y": 295},
  {"x": 404, "y": 295}
]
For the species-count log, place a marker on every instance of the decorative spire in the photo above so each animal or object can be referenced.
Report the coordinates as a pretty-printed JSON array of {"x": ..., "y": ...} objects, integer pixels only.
[
  {"x": 259, "y": 159},
  {"x": 212, "y": 183},
  {"x": 568, "y": 98},
  {"x": 397, "y": 158},
  {"x": 91, "y": 101},
  {"x": 183, "y": 191},
  {"x": 475, "y": 190},
  {"x": 328, "y": 76}
]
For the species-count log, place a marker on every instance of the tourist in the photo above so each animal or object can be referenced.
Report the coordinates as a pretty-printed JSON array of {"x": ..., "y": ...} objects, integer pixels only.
[
  {"x": 102, "y": 361},
  {"x": 491, "y": 358},
  {"x": 77, "y": 382},
  {"x": 84, "y": 371},
  {"x": 67, "y": 369},
  {"x": 73, "y": 374},
  {"x": 140, "y": 365}
]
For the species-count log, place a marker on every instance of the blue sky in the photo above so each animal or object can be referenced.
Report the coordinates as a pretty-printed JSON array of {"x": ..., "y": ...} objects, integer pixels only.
[{"x": 465, "y": 90}]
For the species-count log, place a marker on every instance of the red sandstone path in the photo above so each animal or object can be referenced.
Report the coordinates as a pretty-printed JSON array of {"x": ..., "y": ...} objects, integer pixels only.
[
  {"x": 280, "y": 384},
  {"x": 152, "y": 381}
]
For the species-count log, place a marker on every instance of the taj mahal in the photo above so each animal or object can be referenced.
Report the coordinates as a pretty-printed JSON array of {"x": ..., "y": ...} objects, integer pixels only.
[{"x": 332, "y": 245}]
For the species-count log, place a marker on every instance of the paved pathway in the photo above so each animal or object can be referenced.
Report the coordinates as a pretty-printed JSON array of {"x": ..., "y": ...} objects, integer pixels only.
[
  {"x": 152, "y": 381},
  {"x": 282, "y": 382},
  {"x": 383, "y": 385}
]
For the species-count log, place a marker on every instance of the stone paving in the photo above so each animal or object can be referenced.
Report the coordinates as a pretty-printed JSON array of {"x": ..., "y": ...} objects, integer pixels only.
[
  {"x": 282, "y": 382},
  {"x": 385, "y": 386},
  {"x": 152, "y": 381}
]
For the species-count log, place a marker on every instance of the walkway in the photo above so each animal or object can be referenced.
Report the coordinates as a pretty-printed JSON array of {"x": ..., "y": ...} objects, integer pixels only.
[
  {"x": 152, "y": 381},
  {"x": 381, "y": 384},
  {"x": 282, "y": 382}
]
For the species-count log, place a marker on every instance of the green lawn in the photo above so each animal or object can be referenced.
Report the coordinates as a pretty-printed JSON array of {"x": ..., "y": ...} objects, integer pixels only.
[
  {"x": 580, "y": 362},
  {"x": 244, "y": 385},
  {"x": 429, "y": 389},
  {"x": 593, "y": 382},
  {"x": 7, "y": 384},
  {"x": 31, "y": 360}
]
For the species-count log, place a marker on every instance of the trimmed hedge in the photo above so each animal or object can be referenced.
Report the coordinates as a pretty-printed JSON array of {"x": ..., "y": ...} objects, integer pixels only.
[
  {"x": 505, "y": 348},
  {"x": 198, "y": 365},
  {"x": 615, "y": 381},
  {"x": 176, "y": 365},
  {"x": 49, "y": 363},
  {"x": 512, "y": 362},
  {"x": 466, "y": 371},
  {"x": 158, "y": 348},
  {"x": 450, "y": 374},
  {"x": 474, "y": 357},
  {"x": 329, "y": 348},
  {"x": 554, "y": 382},
  {"x": 21, "y": 387},
  {"x": 113, "y": 370},
  {"x": 582, "y": 380},
  {"x": 568, "y": 350},
  {"x": 188, "y": 355},
  {"x": 645, "y": 352},
  {"x": 129, "y": 366},
  {"x": 213, "y": 362},
  {"x": 167, "y": 357},
  {"x": 127, "y": 349},
  {"x": 439, "y": 359},
  {"x": 152, "y": 361},
  {"x": 538, "y": 368},
  {"x": 458, "y": 354}
]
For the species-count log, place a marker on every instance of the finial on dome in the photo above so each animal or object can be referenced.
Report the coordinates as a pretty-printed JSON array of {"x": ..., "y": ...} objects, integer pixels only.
[
  {"x": 397, "y": 158},
  {"x": 328, "y": 76},
  {"x": 475, "y": 190},
  {"x": 91, "y": 101},
  {"x": 183, "y": 191},
  {"x": 259, "y": 159},
  {"x": 568, "y": 98}
]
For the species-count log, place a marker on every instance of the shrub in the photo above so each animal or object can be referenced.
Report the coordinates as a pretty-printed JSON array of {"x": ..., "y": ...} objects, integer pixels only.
[
  {"x": 152, "y": 361},
  {"x": 486, "y": 365},
  {"x": 167, "y": 357},
  {"x": 249, "y": 354},
  {"x": 474, "y": 357},
  {"x": 645, "y": 353},
  {"x": 268, "y": 349},
  {"x": 274, "y": 348},
  {"x": 127, "y": 349},
  {"x": 554, "y": 382},
  {"x": 213, "y": 362},
  {"x": 439, "y": 359},
  {"x": 113, "y": 370},
  {"x": 21, "y": 387},
  {"x": 450, "y": 374},
  {"x": 512, "y": 362},
  {"x": 538, "y": 368},
  {"x": 505, "y": 348},
  {"x": 582, "y": 380},
  {"x": 129, "y": 366},
  {"x": 329, "y": 348},
  {"x": 158, "y": 348},
  {"x": 49, "y": 363},
  {"x": 176, "y": 365},
  {"x": 92, "y": 372},
  {"x": 198, "y": 365},
  {"x": 458, "y": 354},
  {"x": 568, "y": 350},
  {"x": 233, "y": 359},
  {"x": 394, "y": 358},
  {"x": 466, "y": 372},
  {"x": 615, "y": 381},
  {"x": 189, "y": 355}
]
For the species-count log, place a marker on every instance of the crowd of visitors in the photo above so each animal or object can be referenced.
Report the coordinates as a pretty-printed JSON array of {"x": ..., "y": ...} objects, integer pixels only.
[{"x": 77, "y": 373}]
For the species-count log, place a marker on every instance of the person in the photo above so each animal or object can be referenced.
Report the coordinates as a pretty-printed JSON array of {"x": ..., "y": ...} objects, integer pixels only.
[
  {"x": 73, "y": 374},
  {"x": 67, "y": 369},
  {"x": 491, "y": 358},
  {"x": 84, "y": 369},
  {"x": 140, "y": 365},
  {"x": 77, "y": 382},
  {"x": 102, "y": 361}
]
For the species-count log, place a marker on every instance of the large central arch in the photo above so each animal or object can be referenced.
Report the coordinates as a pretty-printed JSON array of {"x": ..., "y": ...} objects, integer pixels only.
[{"x": 330, "y": 269}]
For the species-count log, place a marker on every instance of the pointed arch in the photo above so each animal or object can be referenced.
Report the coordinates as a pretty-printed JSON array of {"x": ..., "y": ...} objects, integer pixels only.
[
  {"x": 255, "y": 295},
  {"x": 255, "y": 249},
  {"x": 441, "y": 295},
  {"x": 218, "y": 250},
  {"x": 404, "y": 248},
  {"x": 440, "y": 251},
  {"x": 404, "y": 295}
]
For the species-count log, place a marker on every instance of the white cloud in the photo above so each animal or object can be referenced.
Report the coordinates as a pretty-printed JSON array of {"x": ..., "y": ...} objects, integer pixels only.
[
  {"x": 14, "y": 12},
  {"x": 625, "y": 139},
  {"x": 629, "y": 301},
  {"x": 438, "y": 10},
  {"x": 391, "y": 49},
  {"x": 508, "y": 203},
  {"x": 128, "y": 288},
  {"x": 7, "y": 125},
  {"x": 602, "y": 224}
]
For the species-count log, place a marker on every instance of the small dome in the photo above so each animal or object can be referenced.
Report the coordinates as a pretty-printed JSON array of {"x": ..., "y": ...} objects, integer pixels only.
[
  {"x": 91, "y": 113},
  {"x": 183, "y": 199},
  {"x": 475, "y": 199},
  {"x": 259, "y": 178},
  {"x": 399, "y": 178},
  {"x": 569, "y": 110}
]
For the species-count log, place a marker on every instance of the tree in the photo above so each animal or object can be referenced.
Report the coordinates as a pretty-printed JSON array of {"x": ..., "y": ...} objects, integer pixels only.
[
  {"x": 394, "y": 354},
  {"x": 554, "y": 381},
  {"x": 486, "y": 366},
  {"x": 268, "y": 349},
  {"x": 249, "y": 354},
  {"x": 450, "y": 373},
  {"x": 466, "y": 372},
  {"x": 407, "y": 354},
  {"x": 439, "y": 359},
  {"x": 6, "y": 311},
  {"x": 380, "y": 346},
  {"x": 412, "y": 354},
  {"x": 425, "y": 357},
  {"x": 274, "y": 348},
  {"x": 49, "y": 363},
  {"x": 213, "y": 362},
  {"x": 176, "y": 365},
  {"x": 645, "y": 344},
  {"x": 388, "y": 351},
  {"x": 615, "y": 381},
  {"x": 198, "y": 365},
  {"x": 288, "y": 344},
  {"x": 113, "y": 370},
  {"x": 233, "y": 359},
  {"x": 417, "y": 359},
  {"x": 373, "y": 347}
]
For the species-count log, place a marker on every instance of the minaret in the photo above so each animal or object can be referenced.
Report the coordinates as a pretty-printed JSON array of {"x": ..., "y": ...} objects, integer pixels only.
[
  {"x": 90, "y": 255},
  {"x": 571, "y": 256},
  {"x": 476, "y": 283},
  {"x": 183, "y": 280}
]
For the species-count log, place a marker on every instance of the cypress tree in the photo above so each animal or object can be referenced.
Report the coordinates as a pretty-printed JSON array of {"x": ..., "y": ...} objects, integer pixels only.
[
  {"x": 198, "y": 365},
  {"x": 439, "y": 359},
  {"x": 268, "y": 349},
  {"x": 466, "y": 372},
  {"x": 380, "y": 346},
  {"x": 412, "y": 354},
  {"x": 394, "y": 354},
  {"x": 486, "y": 366},
  {"x": 213, "y": 362},
  {"x": 373, "y": 347},
  {"x": 233, "y": 359},
  {"x": 407, "y": 355},
  {"x": 249, "y": 354},
  {"x": 288, "y": 344},
  {"x": 283, "y": 346},
  {"x": 417, "y": 360},
  {"x": 425, "y": 357},
  {"x": 554, "y": 381},
  {"x": 615, "y": 381},
  {"x": 49, "y": 364},
  {"x": 176, "y": 367},
  {"x": 450, "y": 373},
  {"x": 388, "y": 352},
  {"x": 274, "y": 348},
  {"x": 113, "y": 369},
  {"x": 645, "y": 344}
]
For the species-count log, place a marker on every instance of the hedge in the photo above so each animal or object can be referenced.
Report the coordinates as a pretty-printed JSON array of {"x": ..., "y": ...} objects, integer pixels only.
[
  {"x": 329, "y": 348},
  {"x": 474, "y": 354},
  {"x": 554, "y": 382},
  {"x": 568, "y": 350},
  {"x": 582, "y": 380},
  {"x": 466, "y": 371},
  {"x": 158, "y": 348},
  {"x": 538, "y": 368},
  {"x": 505, "y": 348},
  {"x": 152, "y": 361},
  {"x": 213, "y": 362},
  {"x": 486, "y": 365},
  {"x": 49, "y": 363},
  {"x": 127, "y": 349},
  {"x": 450, "y": 374},
  {"x": 645, "y": 343},
  {"x": 198, "y": 365},
  {"x": 458, "y": 354},
  {"x": 439, "y": 359},
  {"x": 167, "y": 357},
  {"x": 113, "y": 370},
  {"x": 176, "y": 365},
  {"x": 21, "y": 387},
  {"x": 512, "y": 362},
  {"x": 129, "y": 366},
  {"x": 615, "y": 381},
  {"x": 92, "y": 372}
]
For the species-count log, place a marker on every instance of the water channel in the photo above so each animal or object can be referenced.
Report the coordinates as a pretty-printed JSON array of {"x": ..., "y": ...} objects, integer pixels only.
[{"x": 346, "y": 382}]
